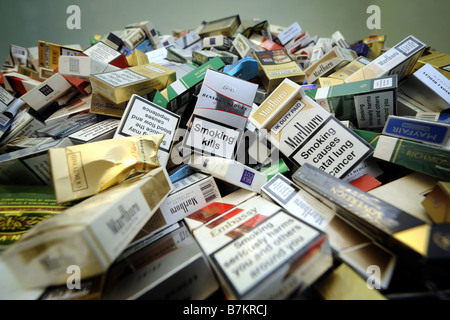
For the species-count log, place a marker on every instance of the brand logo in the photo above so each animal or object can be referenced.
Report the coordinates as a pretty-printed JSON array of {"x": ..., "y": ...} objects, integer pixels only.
[
  {"x": 74, "y": 20},
  {"x": 374, "y": 21},
  {"x": 46, "y": 90},
  {"x": 247, "y": 177},
  {"x": 74, "y": 65}
]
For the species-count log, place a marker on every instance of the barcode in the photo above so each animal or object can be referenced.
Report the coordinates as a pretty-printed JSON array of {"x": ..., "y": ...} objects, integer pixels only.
[
  {"x": 116, "y": 225},
  {"x": 408, "y": 46},
  {"x": 47, "y": 55},
  {"x": 18, "y": 51},
  {"x": 3, "y": 120},
  {"x": 428, "y": 115},
  {"x": 74, "y": 65},
  {"x": 155, "y": 69},
  {"x": 55, "y": 57},
  {"x": 283, "y": 72},
  {"x": 208, "y": 190}
]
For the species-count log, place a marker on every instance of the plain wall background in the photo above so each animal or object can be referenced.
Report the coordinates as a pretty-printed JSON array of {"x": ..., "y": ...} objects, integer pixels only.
[{"x": 24, "y": 22}]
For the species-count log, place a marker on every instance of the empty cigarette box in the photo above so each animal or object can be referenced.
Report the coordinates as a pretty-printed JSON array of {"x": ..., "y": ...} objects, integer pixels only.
[
  {"x": 101, "y": 227},
  {"x": 119, "y": 86},
  {"x": 169, "y": 266},
  {"x": 276, "y": 65},
  {"x": 333, "y": 60},
  {"x": 399, "y": 60},
  {"x": 261, "y": 252}
]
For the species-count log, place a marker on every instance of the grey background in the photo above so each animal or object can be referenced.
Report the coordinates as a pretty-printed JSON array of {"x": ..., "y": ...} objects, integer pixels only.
[{"x": 24, "y": 22}]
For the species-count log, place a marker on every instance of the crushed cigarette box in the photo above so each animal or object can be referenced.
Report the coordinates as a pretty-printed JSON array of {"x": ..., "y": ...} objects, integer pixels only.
[
  {"x": 189, "y": 195},
  {"x": 367, "y": 103},
  {"x": 401, "y": 233},
  {"x": 428, "y": 87},
  {"x": 225, "y": 26},
  {"x": 416, "y": 156},
  {"x": 102, "y": 226},
  {"x": 433, "y": 132},
  {"x": 333, "y": 60},
  {"x": 142, "y": 117},
  {"x": 227, "y": 100},
  {"x": 83, "y": 170},
  {"x": 276, "y": 65},
  {"x": 399, "y": 60},
  {"x": 169, "y": 266},
  {"x": 217, "y": 208},
  {"x": 231, "y": 171},
  {"x": 49, "y": 54},
  {"x": 30, "y": 165},
  {"x": 306, "y": 133},
  {"x": 261, "y": 252},
  {"x": 119, "y": 86},
  {"x": 342, "y": 236}
]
